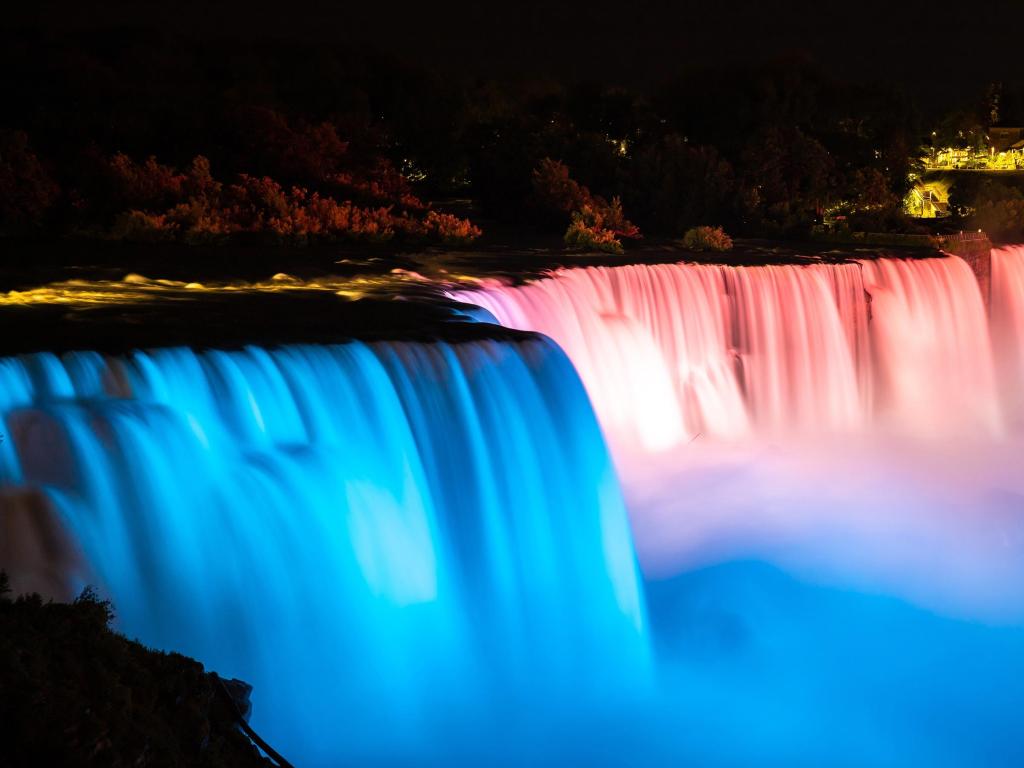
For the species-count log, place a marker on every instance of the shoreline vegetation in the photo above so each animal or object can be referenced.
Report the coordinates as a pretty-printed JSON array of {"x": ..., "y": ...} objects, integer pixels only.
[{"x": 157, "y": 139}]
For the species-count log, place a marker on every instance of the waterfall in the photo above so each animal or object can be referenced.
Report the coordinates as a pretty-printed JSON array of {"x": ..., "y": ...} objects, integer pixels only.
[
  {"x": 1008, "y": 327},
  {"x": 931, "y": 347},
  {"x": 840, "y": 424},
  {"x": 671, "y": 351},
  {"x": 419, "y": 553},
  {"x": 377, "y": 537}
]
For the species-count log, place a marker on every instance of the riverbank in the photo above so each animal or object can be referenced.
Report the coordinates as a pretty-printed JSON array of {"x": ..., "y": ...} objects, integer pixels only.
[{"x": 77, "y": 693}]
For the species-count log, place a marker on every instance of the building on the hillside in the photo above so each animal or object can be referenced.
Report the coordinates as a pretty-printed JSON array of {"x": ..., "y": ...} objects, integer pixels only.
[
  {"x": 1003, "y": 138},
  {"x": 952, "y": 157},
  {"x": 1005, "y": 152},
  {"x": 927, "y": 200}
]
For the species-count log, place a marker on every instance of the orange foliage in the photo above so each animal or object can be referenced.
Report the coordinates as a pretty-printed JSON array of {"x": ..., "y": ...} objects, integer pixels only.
[
  {"x": 589, "y": 231},
  {"x": 382, "y": 182},
  {"x": 208, "y": 210},
  {"x": 450, "y": 229},
  {"x": 144, "y": 184},
  {"x": 554, "y": 189}
]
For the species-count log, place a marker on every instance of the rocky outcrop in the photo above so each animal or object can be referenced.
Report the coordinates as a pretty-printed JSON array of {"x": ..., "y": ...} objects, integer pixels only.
[{"x": 75, "y": 693}]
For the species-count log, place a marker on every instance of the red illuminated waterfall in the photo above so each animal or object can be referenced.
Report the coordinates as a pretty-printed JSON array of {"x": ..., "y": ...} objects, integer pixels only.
[
  {"x": 930, "y": 342},
  {"x": 674, "y": 350},
  {"x": 1008, "y": 326}
]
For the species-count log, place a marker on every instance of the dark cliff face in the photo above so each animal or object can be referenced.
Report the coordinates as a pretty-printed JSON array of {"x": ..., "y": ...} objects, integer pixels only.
[{"x": 76, "y": 693}]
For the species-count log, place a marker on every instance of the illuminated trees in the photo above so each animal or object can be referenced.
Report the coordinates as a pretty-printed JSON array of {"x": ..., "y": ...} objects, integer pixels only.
[
  {"x": 763, "y": 151},
  {"x": 588, "y": 230},
  {"x": 193, "y": 207},
  {"x": 554, "y": 190},
  {"x": 595, "y": 222},
  {"x": 144, "y": 185},
  {"x": 707, "y": 239},
  {"x": 313, "y": 155}
]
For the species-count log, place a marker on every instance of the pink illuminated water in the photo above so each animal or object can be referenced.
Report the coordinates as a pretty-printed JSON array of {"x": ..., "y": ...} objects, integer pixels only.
[
  {"x": 420, "y": 553},
  {"x": 845, "y": 420},
  {"x": 672, "y": 351},
  {"x": 931, "y": 353},
  {"x": 1008, "y": 327}
]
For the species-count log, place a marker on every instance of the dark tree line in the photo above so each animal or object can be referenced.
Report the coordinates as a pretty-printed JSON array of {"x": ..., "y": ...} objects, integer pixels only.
[{"x": 766, "y": 150}]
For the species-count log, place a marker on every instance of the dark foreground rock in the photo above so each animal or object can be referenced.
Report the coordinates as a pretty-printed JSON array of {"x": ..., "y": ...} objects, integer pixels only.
[{"x": 75, "y": 693}]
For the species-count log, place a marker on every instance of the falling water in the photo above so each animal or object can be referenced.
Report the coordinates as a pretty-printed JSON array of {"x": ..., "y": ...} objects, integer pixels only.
[
  {"x": 419, "y": 553},
  {"x": 671, "y": 351},
  {"x": 744, "y": 397},
  {"x": 377, "y": 537},
  {"x": 1008, "y": 327},
  {"x": 824, "y": 493},
  {"x": 931, "y": 350}
]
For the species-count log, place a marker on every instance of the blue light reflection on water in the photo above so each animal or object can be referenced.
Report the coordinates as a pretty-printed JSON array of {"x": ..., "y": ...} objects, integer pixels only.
[
  {"x": 418, "y": 554},
  {"x": 375, "y": 537}
]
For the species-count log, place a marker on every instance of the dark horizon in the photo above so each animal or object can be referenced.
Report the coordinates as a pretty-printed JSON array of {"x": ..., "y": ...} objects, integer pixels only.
[{"x": 925, "y": 48}]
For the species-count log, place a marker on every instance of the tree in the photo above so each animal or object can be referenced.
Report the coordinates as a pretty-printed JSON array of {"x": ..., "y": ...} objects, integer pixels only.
[
  {"x": 963, "y": 129},
  {"x": 27, "y": 192},
  {"x": 872, "y": 206},
  {"x": 554, "y": 190},
  {"x": 681, "y": 185},
  {"x": 792, "y": 174}
]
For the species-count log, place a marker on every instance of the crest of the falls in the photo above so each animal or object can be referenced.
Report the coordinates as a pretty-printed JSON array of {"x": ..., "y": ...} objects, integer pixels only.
[{"x": 670, "y": 351}]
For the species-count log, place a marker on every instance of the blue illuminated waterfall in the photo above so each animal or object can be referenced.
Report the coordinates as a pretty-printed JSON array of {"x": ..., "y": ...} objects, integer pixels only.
[
  {"x": 377, "y": 537},
  {"x": 419, "y": 553}
]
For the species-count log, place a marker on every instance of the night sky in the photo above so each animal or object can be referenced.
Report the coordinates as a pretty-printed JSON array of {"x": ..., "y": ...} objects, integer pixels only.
[{"x": 928, "y": 46}]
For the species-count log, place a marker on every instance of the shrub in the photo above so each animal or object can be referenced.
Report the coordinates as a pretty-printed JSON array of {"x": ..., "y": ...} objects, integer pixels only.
[
  {"x": 199, "y": 181},
  {"x": 616, "y": 221},
  {"x": 141, "y": 227},
  {"x": 381, "y": 182},
  {"x": 554, "y": 190},
  {"x": 143, "y": 185},
  {"x": 451, "y": 230},
  {"x": 587, "y": 231},
  {"x": 707, "y": 239},
  {"x": 212, "y": 211}
]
